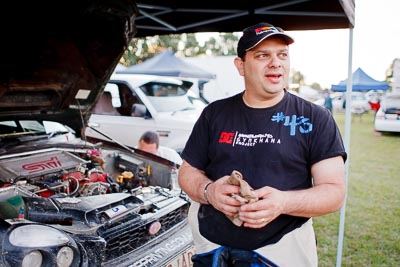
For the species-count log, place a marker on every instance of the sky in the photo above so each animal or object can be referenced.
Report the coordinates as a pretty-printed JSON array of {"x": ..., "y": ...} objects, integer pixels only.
[{"x": 322, "y": 56}]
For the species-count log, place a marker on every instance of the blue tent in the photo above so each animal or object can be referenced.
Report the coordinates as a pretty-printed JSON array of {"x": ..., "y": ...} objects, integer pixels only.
[
  {"x": 362, "y": 82},
  {"x": 167, "y": 64}
]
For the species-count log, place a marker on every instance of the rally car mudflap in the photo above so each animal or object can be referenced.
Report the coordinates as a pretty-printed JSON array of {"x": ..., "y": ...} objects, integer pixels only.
[{"x": 162, "y": 251}]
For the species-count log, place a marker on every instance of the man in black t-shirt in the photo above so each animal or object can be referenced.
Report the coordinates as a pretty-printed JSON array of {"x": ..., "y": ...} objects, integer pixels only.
[{"x": 288, "y": 150}]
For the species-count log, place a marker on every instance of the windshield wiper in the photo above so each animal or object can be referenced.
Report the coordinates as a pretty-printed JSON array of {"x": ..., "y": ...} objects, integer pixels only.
[
  {"x": 16, "y": 140},
  {"x": 52, "y": 134},
  {"x": 179, "y": 110}
]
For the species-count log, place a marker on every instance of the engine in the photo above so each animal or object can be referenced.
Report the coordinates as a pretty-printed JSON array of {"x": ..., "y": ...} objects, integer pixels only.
[{"x": 60, "y": 173}]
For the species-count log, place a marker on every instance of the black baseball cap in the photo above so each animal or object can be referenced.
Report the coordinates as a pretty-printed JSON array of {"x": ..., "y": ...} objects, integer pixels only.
[{"x": 253, "y": 35}]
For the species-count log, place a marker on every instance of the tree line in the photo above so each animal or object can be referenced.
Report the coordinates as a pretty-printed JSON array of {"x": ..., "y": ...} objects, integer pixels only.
[{"x": 187, "y": 45}]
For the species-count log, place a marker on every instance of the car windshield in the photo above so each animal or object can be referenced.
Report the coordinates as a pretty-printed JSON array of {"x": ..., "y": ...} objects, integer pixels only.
[
  {"x": 169, "y": 97},
  {"x": 30, "y": 127}
]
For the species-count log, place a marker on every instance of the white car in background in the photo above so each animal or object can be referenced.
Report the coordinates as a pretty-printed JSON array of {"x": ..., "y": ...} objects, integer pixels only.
[
  {"x": 359, "y": 102},
  {"x": 387, "y": 118},
  {"x": 132, "y": 104}
]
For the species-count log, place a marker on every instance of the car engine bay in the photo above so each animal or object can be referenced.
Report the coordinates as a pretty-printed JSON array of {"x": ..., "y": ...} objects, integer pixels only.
[{"x": 113, "y": 202}]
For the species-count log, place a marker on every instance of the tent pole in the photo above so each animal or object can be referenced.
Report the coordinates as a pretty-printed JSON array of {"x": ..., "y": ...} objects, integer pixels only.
[{"x": 347, "y": 147}]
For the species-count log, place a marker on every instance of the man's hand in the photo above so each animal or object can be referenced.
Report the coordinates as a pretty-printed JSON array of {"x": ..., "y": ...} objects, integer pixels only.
[
  {"x": 325, "y": 196},
  {"x": 219, "y": 194},
  {"x": 270, "y": 205}
]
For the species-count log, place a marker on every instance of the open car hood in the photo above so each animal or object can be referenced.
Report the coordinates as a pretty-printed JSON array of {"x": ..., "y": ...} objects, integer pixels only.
[{"x": 56, "y": 57}]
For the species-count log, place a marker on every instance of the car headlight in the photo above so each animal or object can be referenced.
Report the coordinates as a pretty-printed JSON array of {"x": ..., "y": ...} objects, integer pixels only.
[
  {"x": 65, "y": 256},
  {"x": 35, "y": 245},
  {"x": 34, "y": 235},
  {"x": 33, "y": 259}
]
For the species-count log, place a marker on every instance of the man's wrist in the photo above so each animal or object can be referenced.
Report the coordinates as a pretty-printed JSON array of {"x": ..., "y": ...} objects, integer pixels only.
[{"x": 205, "y": 196}]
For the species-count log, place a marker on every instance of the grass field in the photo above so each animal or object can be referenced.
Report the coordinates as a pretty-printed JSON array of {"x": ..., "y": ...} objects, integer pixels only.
[{"x": 372, "y": 218}]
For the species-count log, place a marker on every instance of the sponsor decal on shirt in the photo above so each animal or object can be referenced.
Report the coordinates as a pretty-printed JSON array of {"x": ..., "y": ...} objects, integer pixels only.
[
  {"x": 297, "y": 124},
  {"x": 226, "y": 137},
  {"x": 241, "y": 139}
]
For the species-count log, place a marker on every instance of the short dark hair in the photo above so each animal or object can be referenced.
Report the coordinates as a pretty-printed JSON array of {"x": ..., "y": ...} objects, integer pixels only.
[{"x": 150, "y": 137}]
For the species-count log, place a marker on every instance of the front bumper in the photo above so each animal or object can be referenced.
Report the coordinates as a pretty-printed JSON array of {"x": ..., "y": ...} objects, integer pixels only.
[{"x": 159, "y": 252}]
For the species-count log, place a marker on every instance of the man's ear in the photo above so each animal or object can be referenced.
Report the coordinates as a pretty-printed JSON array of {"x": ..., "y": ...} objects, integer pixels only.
[{"x": 239, "y": 65}]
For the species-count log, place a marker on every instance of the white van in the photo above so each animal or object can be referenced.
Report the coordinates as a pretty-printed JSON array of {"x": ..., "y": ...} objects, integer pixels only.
[{"x": 132, "y": 104}]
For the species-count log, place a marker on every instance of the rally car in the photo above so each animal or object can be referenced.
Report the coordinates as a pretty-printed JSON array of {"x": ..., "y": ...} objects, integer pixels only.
[{"x": 64, "y": 200}]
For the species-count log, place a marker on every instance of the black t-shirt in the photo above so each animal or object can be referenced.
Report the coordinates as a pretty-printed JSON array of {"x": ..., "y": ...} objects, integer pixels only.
[{"x": 273, "y": 146}]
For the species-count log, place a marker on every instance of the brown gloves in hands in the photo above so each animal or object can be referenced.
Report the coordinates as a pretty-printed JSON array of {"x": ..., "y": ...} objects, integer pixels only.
[{"x": 246, "y": 194}]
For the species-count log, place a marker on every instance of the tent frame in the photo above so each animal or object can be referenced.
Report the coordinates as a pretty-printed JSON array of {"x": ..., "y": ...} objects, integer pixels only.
[{"x": 347, "y": 137}]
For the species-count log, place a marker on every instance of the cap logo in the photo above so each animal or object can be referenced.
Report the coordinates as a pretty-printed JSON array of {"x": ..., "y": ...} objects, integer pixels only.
[
  {"x": 264, "y": 29},
  {"x": 253, "y": 35}
]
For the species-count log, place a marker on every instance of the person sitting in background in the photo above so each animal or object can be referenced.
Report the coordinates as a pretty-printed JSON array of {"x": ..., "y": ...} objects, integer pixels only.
[{"x": 150, "y": 142}]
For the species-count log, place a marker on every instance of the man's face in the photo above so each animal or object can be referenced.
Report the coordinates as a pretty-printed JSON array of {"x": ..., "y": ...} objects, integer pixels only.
[
  {"x": 151, "y": 148},
  {"x": 266, "y": 67}
]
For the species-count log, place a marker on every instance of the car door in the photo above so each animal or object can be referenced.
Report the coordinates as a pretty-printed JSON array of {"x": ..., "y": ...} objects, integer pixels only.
[
  {"x": 126, "y": 125},
  {"x": 162, "y": 105}
]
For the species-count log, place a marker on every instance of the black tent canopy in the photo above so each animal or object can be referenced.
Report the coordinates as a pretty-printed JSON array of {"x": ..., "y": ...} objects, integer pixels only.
[{"x": 159, "y": 17}]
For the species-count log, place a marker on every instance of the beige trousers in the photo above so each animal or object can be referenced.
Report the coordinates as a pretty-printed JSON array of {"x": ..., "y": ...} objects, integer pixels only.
[{"x": 297, "y": 248}]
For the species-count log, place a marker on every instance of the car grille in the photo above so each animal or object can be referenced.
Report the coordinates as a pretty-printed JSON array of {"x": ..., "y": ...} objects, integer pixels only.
[{"x": 133, "y": 233}]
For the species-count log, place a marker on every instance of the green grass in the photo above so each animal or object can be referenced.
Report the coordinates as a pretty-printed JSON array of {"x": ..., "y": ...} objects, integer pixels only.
[{"x": 372, "y": 218}]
